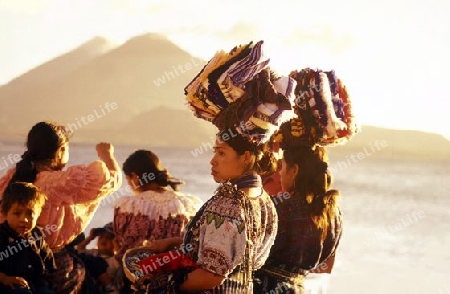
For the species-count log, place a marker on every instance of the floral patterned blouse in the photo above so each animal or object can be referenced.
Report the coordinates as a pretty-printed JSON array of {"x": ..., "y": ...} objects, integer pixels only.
[
  {"x": 231, "y": 236},
  {"x": 151, "y": 216}
]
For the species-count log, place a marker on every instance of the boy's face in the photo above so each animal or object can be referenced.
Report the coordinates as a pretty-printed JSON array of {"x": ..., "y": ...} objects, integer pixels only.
[{"x": 22, "y": 218}]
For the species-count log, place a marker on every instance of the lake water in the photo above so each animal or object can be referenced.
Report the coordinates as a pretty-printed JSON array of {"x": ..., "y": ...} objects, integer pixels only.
[{"x": 396, "y": 232}]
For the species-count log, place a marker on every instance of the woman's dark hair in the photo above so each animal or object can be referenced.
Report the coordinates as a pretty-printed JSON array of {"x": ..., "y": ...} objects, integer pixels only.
[
  {"x": 146, "y": 165},
  {"x": 22, "y": 193},
  {"x": 43, "y": 142},
  {"x": 313, "y": 182},
  {"x": 264, "y": 160}
]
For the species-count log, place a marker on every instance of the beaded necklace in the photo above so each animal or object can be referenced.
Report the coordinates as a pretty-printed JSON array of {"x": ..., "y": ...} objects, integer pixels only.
[{"x": 249, "y": 181}]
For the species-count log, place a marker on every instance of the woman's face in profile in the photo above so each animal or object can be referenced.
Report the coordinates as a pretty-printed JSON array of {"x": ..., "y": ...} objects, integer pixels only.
[
  {"x": 62, "y": 156},
  {"x": 226, "y": 164},
  {"x": 287, "y": 176}
]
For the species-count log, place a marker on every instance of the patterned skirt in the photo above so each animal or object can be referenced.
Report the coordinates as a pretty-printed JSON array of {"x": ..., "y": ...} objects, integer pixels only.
[
  {"x": 272, "y": 280},
  {"x": 70, "y": 273}
]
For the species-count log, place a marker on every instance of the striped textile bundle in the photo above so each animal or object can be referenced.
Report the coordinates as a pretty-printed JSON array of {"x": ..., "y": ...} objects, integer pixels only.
[
  {"x": 323, "y": 108},
  {"x": 238, "y": 90}
]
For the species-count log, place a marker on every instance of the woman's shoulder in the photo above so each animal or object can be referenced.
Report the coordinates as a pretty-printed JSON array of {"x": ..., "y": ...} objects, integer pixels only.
[
  {"x": 123, "y": 200},
  {"x": 96, "y": 166},
  {"x": 168, "y": 197},
  {"x": 7, "y": 173},
  {"x": 189, "y": 199},
  {"x": 146, "y": 197},
  {"x": 229, "y": 192},
  {"x": 154, "y": 203},
  {"x": 227, "y": 201},
  {"x": 78, "y": 172},
  {"x": 4, "y": 180}
]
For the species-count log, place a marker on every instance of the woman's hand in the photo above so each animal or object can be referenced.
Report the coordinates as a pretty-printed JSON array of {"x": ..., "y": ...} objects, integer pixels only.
[
  {"x": 163, "y": 245},
  {"x": 92, "y": 234},
  {"x": 15, "y": 281},
  {"x": 82, "y": 245},
  {"x": 200, "y": 280},
  {"x": 116, "y": 245},
  {"x": 105, "y": 150}
]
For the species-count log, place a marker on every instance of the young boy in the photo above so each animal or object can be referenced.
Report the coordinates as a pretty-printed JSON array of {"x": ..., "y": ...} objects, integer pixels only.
[
  {"x": 25, "y": 257},
  {"x": 100, "y": 263}
]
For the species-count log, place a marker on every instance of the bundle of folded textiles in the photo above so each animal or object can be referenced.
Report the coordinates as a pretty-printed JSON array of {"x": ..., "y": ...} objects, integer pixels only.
[{"x": 239, "y": 90}]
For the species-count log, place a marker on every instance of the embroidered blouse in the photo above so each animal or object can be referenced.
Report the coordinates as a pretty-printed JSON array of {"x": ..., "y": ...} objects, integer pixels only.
[
  {"x": 222, "y": 229},
  {"x": 151, "y": 216}
]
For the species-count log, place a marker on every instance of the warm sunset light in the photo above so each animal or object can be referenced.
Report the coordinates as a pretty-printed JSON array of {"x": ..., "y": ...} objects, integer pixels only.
[
  {"x": 127, "y": 85},
  {"x": 392, "y": 55}
]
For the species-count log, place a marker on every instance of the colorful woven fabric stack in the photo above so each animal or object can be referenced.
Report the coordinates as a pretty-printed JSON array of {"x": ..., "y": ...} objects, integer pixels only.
[
  {"x": 237, "y": 90},
  {"x": 324, "y": 111}
]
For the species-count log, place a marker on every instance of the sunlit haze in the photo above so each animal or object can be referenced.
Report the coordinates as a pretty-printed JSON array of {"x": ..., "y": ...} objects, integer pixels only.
[{"x": 392, "y": 55}]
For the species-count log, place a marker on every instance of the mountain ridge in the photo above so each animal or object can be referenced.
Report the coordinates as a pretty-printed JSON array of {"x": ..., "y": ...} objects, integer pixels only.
[
  {"x": 144, "y": 78},
  {"x": 124, "y": 75},
  {"x": 63, "y": 63}
]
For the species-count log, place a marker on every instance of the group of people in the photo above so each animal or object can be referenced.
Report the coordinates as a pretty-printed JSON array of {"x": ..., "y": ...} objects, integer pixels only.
[
  {"x": 243, "y": 239},
  {"x": 46, "y": 207}
]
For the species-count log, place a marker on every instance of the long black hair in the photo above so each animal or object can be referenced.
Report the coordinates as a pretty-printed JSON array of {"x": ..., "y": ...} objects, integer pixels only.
[
  {"x": 264, "y": 161},
  {"x": 43, "y": 142},
  {"x": 313, "y": 182},
  {"x": 147, "y": 166}
]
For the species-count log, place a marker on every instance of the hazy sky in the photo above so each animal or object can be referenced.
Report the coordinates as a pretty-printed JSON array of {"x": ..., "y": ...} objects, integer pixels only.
[{"x": 393, "y": 55}]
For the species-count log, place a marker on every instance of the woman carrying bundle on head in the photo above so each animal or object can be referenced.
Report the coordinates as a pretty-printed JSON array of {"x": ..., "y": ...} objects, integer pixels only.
[
  {"x": 73, "y": 194},
  {"x": 310, "y": 220},
  {"x": 231, "y": 235}
]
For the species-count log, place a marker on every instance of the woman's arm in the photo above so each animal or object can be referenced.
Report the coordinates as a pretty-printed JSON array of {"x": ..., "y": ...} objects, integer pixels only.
[
  {"x": 222, "y": 247},
  {"x": 4, "y": 181},
  {"x": 13, "y": 281},
  {"x": 83, "y": 184},
  {"x": 82, "y": 245},
  {"x": 105, "y": 152},
  {"x": 163, "y": 245},
  {"x": 201, "y": 279}
]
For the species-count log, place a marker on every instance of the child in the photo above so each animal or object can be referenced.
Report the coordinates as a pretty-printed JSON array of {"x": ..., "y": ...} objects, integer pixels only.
[
  {"x": 100, "y": 262},
  {"x": 25, "y": 257},
  {"x": 73, "y": 193}
]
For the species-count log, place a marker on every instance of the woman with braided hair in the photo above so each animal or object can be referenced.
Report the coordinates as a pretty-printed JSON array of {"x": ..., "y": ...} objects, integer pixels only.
[
  {"x": 231, "y": 235},
  {"x": 155, "y": 211},
  {"x": 73, "y": 194},
  {"x": 310, "y": 221}
]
